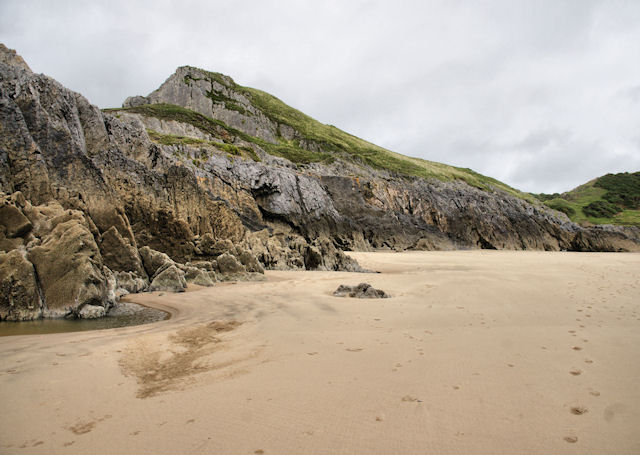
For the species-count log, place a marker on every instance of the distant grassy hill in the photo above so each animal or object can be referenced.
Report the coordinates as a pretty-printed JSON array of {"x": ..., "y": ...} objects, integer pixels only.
[{"x": 610, "y": 199}]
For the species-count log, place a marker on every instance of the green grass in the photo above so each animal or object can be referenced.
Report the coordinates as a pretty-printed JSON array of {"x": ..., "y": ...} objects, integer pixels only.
[
  {"x": 351, "y": 147},
  {"x": 221, "y": 130},
  {"x": 591, "y": 202},
  {"x": 231, "y": 149},
  {"x": 561, "y": 206}
]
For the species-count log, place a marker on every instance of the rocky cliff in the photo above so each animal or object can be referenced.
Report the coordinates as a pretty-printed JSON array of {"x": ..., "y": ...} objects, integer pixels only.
[{"x": 204, "y": 180}]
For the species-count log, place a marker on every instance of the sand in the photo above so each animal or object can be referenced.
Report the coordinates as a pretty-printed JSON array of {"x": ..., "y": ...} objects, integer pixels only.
[{"x": 476, "y": 352}]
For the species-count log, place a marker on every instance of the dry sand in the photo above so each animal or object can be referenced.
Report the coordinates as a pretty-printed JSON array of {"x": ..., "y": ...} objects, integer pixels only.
[{"x": 477, "y": 352}]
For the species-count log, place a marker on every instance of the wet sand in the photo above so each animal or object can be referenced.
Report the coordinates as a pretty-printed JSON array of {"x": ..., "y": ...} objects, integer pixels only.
[{"x": 476, "y": 352}]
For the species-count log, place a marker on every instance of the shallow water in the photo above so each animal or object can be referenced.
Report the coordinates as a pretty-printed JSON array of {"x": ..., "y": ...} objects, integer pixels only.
[{"x": 125, "y": 314}]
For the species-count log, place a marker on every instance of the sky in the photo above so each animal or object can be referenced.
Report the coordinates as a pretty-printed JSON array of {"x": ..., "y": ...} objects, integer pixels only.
[{"x": 542, "y": 95}]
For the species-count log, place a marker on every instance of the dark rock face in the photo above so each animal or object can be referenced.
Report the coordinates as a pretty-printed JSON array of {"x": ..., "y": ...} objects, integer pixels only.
[
  {"x": 91, "y": 208},
  {"x": 361, "y": 291},
  {"x": 14, "y": 222},
  {"x": 19, "y": 296}
]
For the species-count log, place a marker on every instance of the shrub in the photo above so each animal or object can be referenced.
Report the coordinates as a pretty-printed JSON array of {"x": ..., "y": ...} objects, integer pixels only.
[
  {"x": 601, "y": 209},
  {"x": 561, "y": 206},
  {"x": 622, "y": 189}
]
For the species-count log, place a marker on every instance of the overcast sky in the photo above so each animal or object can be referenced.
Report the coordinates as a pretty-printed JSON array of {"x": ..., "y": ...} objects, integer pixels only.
[{"x": 543, "y": 95}]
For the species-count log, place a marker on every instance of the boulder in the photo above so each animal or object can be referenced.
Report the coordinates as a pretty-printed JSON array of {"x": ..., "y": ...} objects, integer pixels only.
[
  {"x": 130, "y": 283},
  {"x": 199, "y": 276},
  {"x": 19, "y": 296},
  {"x": 14, "y": 221},
  {"x": 229, "y": 265},
  {"x": 8, "y": 244},
  {"x": 251, "y": 264},
  {"x": 154, "y": 261},
  {"x": 69, "y": 267},
  {"x": 118, "y": 253},
  {"x": 91, "y": 312},
  {"x": 215, "y": 247},
  {"x": 361, "y": 291},
  {"x": 170, "y": 279}
]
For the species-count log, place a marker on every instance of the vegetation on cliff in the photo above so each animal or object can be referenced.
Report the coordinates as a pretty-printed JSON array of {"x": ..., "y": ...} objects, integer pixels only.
[{"x": 610, "y": 199}]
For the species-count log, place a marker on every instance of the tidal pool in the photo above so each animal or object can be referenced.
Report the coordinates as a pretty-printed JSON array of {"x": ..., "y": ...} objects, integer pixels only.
[{"x": 125, "y": 314}]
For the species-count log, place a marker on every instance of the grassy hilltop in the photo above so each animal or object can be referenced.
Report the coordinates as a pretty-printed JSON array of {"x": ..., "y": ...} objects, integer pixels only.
[{"x": 610, "y": 199}]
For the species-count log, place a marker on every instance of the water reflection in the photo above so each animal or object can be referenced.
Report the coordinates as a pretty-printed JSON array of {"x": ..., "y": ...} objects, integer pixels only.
[{"x": 125, "y": 314}]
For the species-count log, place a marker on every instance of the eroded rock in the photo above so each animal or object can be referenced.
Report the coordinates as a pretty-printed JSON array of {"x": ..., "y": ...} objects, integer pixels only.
[
  {"x": 19, "y": 295},
  {"x": 199, "y": 276},
  {"x": 69, "y": 267},
  {"x": 154, "y": 261},
  {"x": 170, "y": 279},
  {"x": 229, "y": 265},
  {"x": 118, "y": 253},
  {"x": 14, "y": 221},
  {"x": 361, "y": 291}
]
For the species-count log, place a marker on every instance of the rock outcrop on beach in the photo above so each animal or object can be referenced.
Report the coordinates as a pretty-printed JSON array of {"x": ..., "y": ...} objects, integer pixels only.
[
  {"x": 205, "y": 181},
  {"x": 361, "y": 291}
]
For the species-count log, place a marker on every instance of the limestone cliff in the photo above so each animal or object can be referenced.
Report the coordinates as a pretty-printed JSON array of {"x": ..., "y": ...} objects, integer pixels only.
[
  {"x": 325, "y": 183},
  {"x": 205, "y": 181}
]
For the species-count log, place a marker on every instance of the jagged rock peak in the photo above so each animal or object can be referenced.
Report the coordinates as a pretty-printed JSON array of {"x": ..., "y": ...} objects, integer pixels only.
[{"x": 12, "y": 58}]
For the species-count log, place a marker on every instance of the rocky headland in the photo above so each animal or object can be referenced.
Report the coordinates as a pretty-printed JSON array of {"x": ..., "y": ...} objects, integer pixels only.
[{"x": 205, "y": 181}]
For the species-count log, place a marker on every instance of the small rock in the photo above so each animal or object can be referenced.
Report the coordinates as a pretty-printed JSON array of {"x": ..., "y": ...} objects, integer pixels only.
[
  {"x": 91, "y": 312},
  {"x": 198, "y": 276},
  {"x": 361, "y": 291},
  {"x": 229, "y": 265},
  {"x": 171, "y": 279}
]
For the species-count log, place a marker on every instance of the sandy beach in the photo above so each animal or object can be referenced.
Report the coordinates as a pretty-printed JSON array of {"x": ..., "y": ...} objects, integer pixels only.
[{"x": 488, "y": 352}]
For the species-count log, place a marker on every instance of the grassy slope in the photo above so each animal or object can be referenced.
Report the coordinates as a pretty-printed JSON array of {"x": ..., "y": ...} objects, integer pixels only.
[
  {"x": 334, "y": 141},
  {"x": 584, "y": 195},
  {"x": 339, "y": 141}
]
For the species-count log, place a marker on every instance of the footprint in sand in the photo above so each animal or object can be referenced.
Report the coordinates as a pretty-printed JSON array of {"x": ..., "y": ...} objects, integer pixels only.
[
  {"x": 571, "y": 439},
  {"x": 353, "y": 349},
  {"x": 312, "y": 353},
  {"x": 576, "y": 372},
  {"x": 577, "y": 348},
  {"x": 578, "y": 410}
]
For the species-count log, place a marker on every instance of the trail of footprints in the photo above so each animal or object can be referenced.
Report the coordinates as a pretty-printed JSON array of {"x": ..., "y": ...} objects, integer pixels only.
[
  {"x": 593, "y": 312},
  {"x": 579, "y": 410}
]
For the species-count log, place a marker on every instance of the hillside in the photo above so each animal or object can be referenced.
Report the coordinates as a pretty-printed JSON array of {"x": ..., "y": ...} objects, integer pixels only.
[
  {"x": 610, "y": 199},
  {"x": 312, "y": 141}
]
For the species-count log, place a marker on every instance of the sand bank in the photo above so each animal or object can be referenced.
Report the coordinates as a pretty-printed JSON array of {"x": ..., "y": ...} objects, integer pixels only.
[{"x": 477, "y": 352}]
